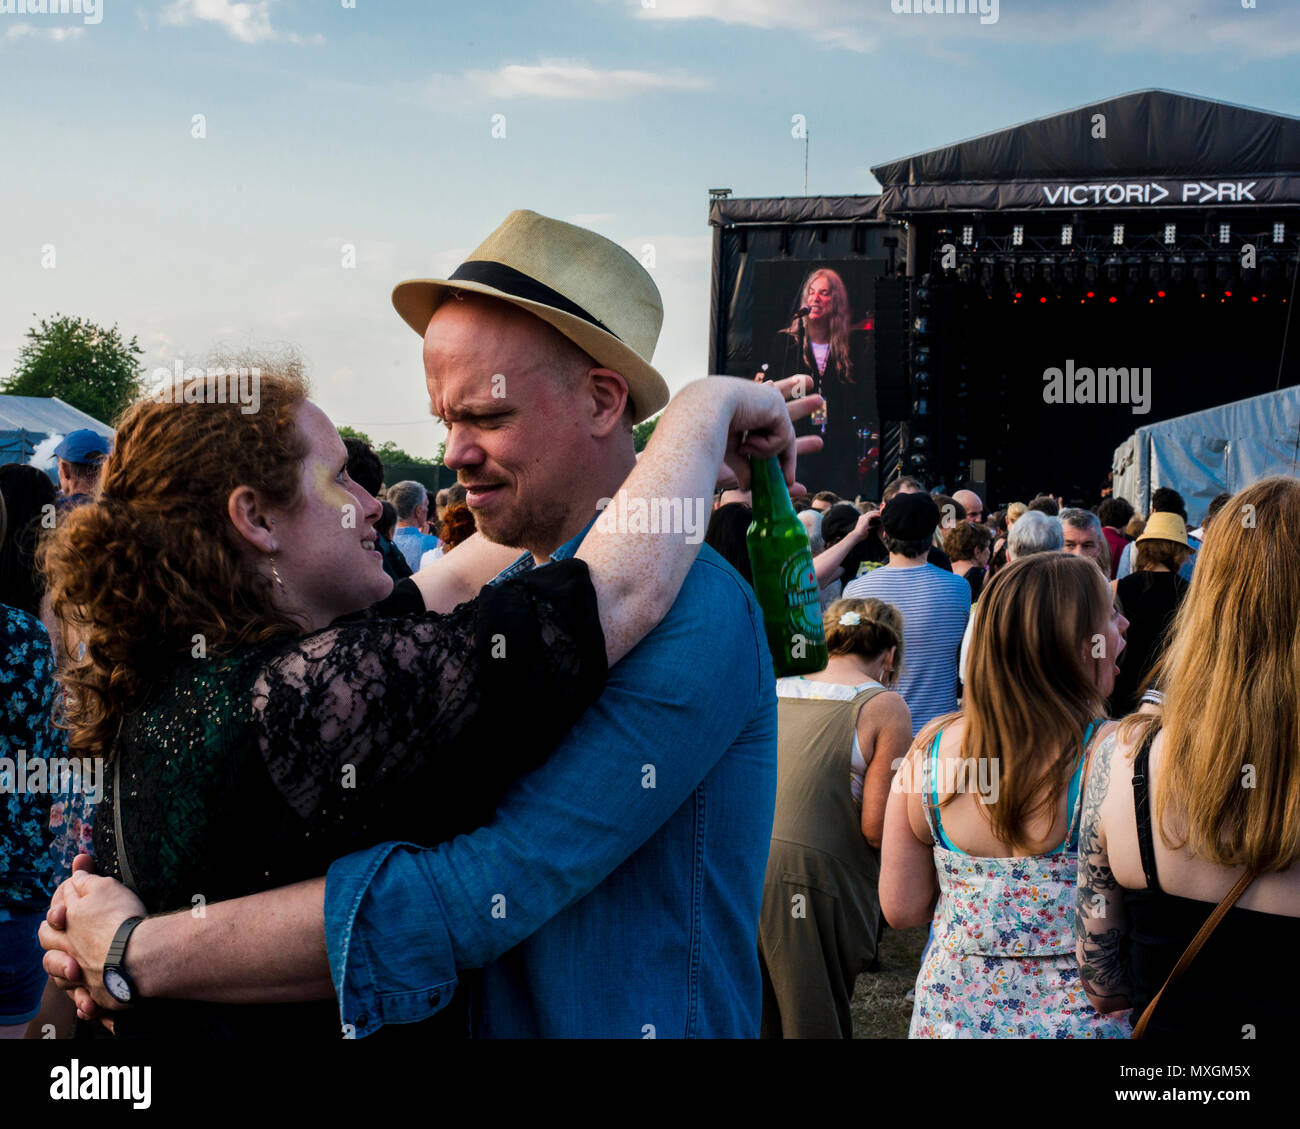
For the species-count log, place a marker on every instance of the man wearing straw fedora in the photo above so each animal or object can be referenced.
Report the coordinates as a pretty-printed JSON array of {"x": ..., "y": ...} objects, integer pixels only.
[
  {"x": 617, "y": 890},
  {"x": 636, "y": 854}
]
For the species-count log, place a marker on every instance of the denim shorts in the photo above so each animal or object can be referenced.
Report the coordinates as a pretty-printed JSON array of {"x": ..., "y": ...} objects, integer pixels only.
[{"x": 22, "y": 979}]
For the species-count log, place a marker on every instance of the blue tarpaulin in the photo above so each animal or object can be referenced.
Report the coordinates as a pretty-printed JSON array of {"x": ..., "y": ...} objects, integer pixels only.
[{"x": 1219, "y": 449}]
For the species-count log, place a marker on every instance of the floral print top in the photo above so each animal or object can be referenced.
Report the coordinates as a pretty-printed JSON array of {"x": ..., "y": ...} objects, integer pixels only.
[
  {"x": 1002, "y": 963},
  {"x": 41, "y": 827}
]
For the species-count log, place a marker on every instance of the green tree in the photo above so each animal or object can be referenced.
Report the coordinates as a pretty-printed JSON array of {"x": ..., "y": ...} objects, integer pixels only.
[
  {"x": 346, "y": 432},
  {"x": 390, "y": 454},
  {"x": 642, "y": 431},
  {"x": 83, "y": 364}
]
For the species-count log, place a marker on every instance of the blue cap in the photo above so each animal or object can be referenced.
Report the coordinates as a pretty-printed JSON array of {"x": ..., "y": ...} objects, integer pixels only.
[{"x": 83, "y": 446}]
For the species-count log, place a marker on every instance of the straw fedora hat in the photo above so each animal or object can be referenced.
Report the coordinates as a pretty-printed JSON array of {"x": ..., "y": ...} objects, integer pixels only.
[
  {"x": 583, "y": 284},
  {"x": 1165, "y": 527}
]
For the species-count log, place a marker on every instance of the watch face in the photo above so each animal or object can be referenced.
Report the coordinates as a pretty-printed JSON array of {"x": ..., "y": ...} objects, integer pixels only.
[{"x": 117, "y": 987}]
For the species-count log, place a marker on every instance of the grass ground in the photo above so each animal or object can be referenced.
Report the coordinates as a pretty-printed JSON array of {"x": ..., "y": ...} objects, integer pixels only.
[{"x": 879, "y": 1010}]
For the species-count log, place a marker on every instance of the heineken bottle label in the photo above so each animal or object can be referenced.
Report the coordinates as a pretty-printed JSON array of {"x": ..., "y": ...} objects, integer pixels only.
[{"x": 799, "y": 587}]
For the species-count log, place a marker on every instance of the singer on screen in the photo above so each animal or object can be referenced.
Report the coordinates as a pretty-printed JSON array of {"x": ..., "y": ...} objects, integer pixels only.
[{"x": 834, "y": 353}]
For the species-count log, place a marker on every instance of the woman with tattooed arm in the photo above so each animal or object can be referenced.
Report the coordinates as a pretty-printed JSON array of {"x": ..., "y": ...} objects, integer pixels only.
[{"x": 1185, "y": 801}]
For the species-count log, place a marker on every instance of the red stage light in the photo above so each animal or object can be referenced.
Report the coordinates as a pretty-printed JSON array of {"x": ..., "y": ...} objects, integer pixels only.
[
  {"x": 1019, "y": 294},
  {"x": 1227, "y": 293},
  {"x": 1160, "y": 293},
  {"x": 1042, "y": 300},
  {"x": 1253, "y": 299},
  {"x": 1113, "y": 298}
]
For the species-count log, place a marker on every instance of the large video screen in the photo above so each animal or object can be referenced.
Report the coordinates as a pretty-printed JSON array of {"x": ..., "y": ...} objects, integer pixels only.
[{"x": 817, "y": 317}]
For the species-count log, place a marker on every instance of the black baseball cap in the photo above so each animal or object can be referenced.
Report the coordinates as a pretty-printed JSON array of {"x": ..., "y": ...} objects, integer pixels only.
[
  {"x": 911, "y": 517},
  {"x": 838, "y": 522}
]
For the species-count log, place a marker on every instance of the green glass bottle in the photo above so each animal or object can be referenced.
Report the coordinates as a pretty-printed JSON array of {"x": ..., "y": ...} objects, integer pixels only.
[{"x": 784, "y": 580}]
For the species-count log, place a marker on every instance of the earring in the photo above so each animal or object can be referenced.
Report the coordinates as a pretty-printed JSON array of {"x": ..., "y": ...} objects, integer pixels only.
[{"x": 275, "y": 572}]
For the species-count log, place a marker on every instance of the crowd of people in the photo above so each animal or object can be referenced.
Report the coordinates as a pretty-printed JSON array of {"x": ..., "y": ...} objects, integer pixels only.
[
  {"x": 1005, "y": 652},
  {"x": 448, "y": 767}
]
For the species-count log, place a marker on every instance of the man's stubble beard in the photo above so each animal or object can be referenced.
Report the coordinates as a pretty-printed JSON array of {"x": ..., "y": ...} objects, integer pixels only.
[{"x": 538, "y": 528}]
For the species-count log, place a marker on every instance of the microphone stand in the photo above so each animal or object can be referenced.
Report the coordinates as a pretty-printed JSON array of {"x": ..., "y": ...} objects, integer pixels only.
[{"x": 819, "y": 417}]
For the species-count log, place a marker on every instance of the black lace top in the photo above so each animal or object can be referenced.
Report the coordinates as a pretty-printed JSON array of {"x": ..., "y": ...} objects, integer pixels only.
[{"x": 257, "y": 770}]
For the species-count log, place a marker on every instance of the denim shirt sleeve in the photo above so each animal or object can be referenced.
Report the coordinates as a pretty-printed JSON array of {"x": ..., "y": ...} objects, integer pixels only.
[
  {"x": 400, "y": 920},
  {"x": 1125, "y": 565},
  {"x": 361, "y": 893}
]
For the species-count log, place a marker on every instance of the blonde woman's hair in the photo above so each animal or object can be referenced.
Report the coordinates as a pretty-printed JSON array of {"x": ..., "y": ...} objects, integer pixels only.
[
  {"x": 879, "y": 627},
  {"x": 1015, "y": 512},
  {"x": 1230, "y": 780},
  {"x": 1033, "y": 685}
]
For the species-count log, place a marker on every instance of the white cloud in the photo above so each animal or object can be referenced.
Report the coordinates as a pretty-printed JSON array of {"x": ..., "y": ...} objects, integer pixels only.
[
  {"x": 248, "y": 21},
  {"x": 841, "y": 23},
  {"x": 681, "y": 271},
  {"x": 1194, "y": 26},
  {"x": 56, "y": 34},
  {"x": 441, "y": 264},
  {"x": 561, "y": 78},
  {"x": 590, "y": 219}
]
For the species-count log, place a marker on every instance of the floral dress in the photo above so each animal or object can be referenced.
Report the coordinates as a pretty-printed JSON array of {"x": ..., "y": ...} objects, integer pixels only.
[
  {"x": 1002, "y": 962},
  {"x": 33, "y": 826}
]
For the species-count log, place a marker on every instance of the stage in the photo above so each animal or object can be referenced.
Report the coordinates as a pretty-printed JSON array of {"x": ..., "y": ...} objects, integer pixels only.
[{"x": 1024, "y": 300}]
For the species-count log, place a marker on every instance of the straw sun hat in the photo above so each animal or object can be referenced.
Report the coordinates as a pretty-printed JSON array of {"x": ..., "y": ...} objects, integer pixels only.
[
  {"x": 1165, "y": 527},
  {"x": 583, "y": 284}
]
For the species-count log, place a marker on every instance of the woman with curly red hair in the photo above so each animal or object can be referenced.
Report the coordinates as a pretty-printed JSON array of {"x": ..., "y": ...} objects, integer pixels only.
[{"x": 251, "y": 736}]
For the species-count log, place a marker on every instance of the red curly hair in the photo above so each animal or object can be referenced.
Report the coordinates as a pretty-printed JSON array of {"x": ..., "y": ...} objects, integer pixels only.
[
  {"x": 154, "y": 560},
  {"x": 457, "y": 526}
]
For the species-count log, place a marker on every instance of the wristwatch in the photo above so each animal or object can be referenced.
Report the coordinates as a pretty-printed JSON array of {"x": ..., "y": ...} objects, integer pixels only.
[{"x": 119, "y": 984}]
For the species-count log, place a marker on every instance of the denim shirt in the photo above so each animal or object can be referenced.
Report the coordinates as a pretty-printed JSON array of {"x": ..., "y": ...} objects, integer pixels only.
[{"x": 616, "y": 892}]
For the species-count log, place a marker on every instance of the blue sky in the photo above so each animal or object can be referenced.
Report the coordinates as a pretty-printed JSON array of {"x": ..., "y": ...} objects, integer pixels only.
[{"x": 372, "y": 125}]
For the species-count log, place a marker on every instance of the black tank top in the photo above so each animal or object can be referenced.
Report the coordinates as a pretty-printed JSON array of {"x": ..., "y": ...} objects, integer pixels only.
[
  {"x": 1241, "y": 983},
  {"x": 1149, "y": 601}
]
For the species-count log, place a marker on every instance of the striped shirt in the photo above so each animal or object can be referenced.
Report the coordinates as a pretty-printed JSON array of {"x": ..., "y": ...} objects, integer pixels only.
[{"x": 935, "y": 606}]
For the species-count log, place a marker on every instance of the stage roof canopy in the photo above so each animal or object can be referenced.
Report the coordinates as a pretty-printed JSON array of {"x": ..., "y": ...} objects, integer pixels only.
[
  {"x": 794, "y": 209},
  {"x": 1159, "y": 149}
]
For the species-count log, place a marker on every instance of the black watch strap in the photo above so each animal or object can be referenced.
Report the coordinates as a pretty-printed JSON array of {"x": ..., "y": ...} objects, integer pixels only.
[{"x": 117, "y": 949}]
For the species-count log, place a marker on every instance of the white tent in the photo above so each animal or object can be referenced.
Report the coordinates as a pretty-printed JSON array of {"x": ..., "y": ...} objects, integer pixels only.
[
  {"x": 1207, "y": 452},
  {"x": 27, "y": 420}
]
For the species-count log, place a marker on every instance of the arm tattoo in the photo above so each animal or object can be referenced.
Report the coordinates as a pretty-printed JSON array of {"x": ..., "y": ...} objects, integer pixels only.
[{"x": 1104, "y": 968}]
